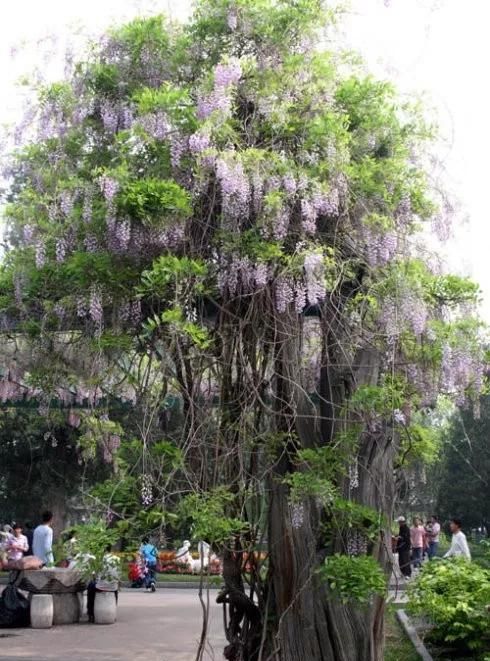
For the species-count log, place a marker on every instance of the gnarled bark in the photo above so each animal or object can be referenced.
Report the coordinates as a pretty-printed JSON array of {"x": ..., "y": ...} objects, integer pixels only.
[{"x": 310, "y": 623}]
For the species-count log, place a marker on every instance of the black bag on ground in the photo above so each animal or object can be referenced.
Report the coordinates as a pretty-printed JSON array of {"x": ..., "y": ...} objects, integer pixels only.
[{"x": 14, "y": 607}]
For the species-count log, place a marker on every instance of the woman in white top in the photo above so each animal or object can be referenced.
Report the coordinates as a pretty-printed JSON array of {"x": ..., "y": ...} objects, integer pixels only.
[{"x": 459, "y": 545}]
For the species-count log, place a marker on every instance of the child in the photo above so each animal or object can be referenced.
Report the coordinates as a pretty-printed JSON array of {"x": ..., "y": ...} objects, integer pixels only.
[{"x": 136, "y": 571}]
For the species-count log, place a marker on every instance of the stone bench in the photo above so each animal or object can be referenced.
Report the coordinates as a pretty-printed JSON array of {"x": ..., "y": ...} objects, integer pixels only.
[{"x": 53, "y": 594}]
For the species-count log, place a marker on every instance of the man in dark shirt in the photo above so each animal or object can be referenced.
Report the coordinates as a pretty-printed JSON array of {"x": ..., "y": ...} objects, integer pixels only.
[{"x": 403, "y": 547}]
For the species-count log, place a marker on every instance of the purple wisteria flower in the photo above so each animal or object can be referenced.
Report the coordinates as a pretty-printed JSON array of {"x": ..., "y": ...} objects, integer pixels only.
[
  {"x": 289, "y": 183},
  {"x": 155, "y": 125},
  {"x": 109, "y": 187},
  {"x": 226, "y": 74},
  {"x": 235, "y": 186},
  {"x": 414, "y": 311},
  {"x": 261, "y": 275},
  {"x": 326, "y": 204},
  {"x": 87, "y": 206},
  {"x": 315, "y": 278},
  {"x": 146, "y": 490},
  {"x": 284, "y": 291},
  {"x": 67, "y": 201},
  {"x": 380, "y": 245},
  {"x": 95, "y": 310},
  {"x": 404, "y": 210},
  {"x": 91, "y": 243},
  {"x": 297, "y": 515},
  {"x": 257, "y": 191},
  {"x": 126, "y": 117},
  {"x": 110, "y": 117},
  {"x": 28, "y": 234},
  {"x": 198, "y": 142},
  {"x": 300, "y": 296},
  {"x": 178, "y": 147},
  {"x": 354, "y": 474},
  {"x": 61, "y": 246},
  {"x": 81, "y": 307},
  {"x": 308, "y": 216},
  {"x": 219, "y": 99},
  {"x": 53, "y": 213},
  {"x": 40, "y": 254}
]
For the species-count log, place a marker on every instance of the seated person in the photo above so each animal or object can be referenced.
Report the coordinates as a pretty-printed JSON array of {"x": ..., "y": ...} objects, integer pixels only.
[{"x": 137, "y": 571}]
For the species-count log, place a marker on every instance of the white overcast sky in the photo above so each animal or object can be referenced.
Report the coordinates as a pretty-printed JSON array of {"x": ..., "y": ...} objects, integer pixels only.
[{"x": 440, "y": 47}]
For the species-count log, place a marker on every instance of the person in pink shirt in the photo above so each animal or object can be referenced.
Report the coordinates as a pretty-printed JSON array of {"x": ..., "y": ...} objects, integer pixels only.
[
  {"x": 417, "y": 538},
  {"x": 433, "y": 530}
]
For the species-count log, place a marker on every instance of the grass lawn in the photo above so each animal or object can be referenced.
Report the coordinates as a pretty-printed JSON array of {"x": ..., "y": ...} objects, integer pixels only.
[
  {"x": 397, "y": 645},
  {"x": 187, "y": 578}
]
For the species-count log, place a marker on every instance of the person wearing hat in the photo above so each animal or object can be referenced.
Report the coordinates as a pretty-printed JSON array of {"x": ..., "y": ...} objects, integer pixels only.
[
  {"x": 17, "y": 544},
  {"x": 403, "y": 547}
]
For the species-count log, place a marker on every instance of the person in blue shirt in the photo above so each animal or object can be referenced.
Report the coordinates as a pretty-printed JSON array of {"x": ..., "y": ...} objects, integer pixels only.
[
  {"x": 42, "y": 540},
  {"x": 149, "y": 554}
]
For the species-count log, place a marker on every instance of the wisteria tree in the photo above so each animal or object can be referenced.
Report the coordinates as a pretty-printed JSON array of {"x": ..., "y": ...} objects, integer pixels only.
[{"x": 227, "y": 213}]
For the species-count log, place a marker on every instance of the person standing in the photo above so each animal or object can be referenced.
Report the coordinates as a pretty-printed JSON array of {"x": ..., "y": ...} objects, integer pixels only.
[
  {"x": 42, "y": 540},
  {"x": 17, "y": 544},
  {"x": 149, "y": 553},
  {"x": 403, "y": 547},
  {"x": 459, "y": 545},
  {"x": 417, "y": 537},
  {"x": 433, "y": 530}
]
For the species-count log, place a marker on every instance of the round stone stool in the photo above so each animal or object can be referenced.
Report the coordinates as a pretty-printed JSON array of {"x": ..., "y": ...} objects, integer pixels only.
[
  {"x": 105, "y": 608},
  {"x": 41, "y": 611}
]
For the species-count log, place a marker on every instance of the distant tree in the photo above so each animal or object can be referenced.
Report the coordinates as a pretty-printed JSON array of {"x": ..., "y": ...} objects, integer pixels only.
[
  {"x": 463, "y": 485},
  {"x": 39, "y": 465}
]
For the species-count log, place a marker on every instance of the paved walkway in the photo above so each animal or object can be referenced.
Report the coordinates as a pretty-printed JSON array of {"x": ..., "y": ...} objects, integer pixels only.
[{"x": 164, "y": 626}]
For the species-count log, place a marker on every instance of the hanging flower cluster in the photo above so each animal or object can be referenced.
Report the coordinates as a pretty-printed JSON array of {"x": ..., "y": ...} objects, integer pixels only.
[
  {"x": 357, "y": 543},
  {"x": 235, "y": 187},
  {"x": 406, "y": 310},
  {"x": 146, "y": 490},
  {"x": 226, "y": 76},
  {"x": 380, "y": 246}
]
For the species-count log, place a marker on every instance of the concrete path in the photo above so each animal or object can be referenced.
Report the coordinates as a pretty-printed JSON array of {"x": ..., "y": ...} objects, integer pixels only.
[{"x": 164, "y": 626}]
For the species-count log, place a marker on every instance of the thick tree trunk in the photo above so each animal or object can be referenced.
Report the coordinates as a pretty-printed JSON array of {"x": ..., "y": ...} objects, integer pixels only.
[{"x": 309, "y": 622}]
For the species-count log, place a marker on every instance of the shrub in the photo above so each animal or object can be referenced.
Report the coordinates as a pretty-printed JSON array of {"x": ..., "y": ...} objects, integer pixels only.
[
  {"x": 88, "y": 546},
  {"x": 454, "y": 595},
  {"x": 354, "y": 578}
]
